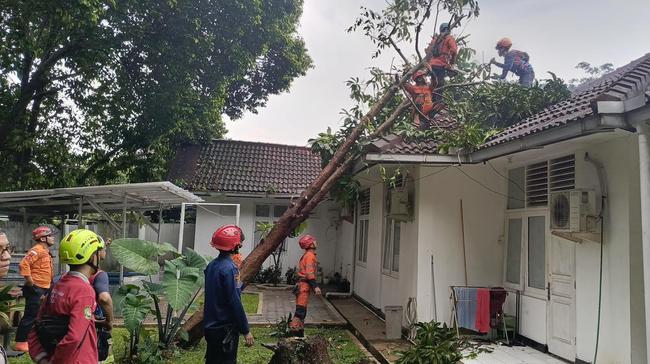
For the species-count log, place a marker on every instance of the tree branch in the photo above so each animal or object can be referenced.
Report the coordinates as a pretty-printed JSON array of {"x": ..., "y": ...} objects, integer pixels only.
[
  {"x": 418, "y": 28},
  {"x": 399, "y": 51}
]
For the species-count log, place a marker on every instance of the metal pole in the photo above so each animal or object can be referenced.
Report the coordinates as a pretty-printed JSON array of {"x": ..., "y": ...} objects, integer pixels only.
[
  {"x": 644, "y": 183},
  {"x": 237, "y": 215},
  {"x": 160, "y": 222},
  {"x": 80, "y": 213},
  {"x": 123, "y": 235},
  {"x": 180, "y": 231}
]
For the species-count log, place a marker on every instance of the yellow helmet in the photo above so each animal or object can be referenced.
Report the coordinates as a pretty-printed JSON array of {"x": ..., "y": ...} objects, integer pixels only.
[{"x": 79, "y": 246}]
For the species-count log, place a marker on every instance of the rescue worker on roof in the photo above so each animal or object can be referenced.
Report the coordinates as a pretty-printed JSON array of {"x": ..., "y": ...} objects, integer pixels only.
[
  {"x": 514, "y": 61},
  {"x": 421, "y": 95},
  {"x": 444, "y": 57},
  {"x": 307, "y": 268},
  {"x": 70, "y": 304},
  {"x": 224, "y": 316},
  {"x": 36, "y": 268}
]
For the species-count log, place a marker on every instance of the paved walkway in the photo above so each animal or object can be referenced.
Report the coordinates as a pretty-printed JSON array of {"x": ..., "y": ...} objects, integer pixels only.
[
  {"x": 279, "y": 303},
  {"x": 370, "y": 329},
  {"x": 513, "y": 355}
]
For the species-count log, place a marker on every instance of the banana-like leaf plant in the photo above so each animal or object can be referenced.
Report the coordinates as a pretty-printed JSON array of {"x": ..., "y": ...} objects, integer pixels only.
[{"x": 181, "y": 283}]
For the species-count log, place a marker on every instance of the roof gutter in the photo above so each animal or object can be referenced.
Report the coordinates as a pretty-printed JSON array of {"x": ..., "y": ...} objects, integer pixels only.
[{"x": 417, "y": 158}]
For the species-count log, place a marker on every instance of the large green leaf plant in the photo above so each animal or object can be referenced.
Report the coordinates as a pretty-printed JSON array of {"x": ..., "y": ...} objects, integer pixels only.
[{"x": 180, "y": 284}]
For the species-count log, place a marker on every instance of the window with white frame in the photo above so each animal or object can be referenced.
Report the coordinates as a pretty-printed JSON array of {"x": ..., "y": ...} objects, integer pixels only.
[
  {"x": 525, "y": 263},
  {"x": 392, "y": 236},
  {"x": 529, "y": 186},
  {"x": 390, "y": 261},
  {"x": 363, "y": 224},
  {"x": 267, "y": 214}
]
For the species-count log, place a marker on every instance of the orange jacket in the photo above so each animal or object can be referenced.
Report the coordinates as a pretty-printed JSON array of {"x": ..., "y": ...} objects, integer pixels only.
[
  {"x": 447, "y": 54},
  {"x": 237, "y": 259},
  {"x": 308, "y": 266},
  {"x": 422, "y": 96},
  {"x": 37, "y": 263}
]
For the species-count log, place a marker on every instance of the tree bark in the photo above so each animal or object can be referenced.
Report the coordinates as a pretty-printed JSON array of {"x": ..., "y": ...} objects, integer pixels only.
[{"x": 312, "y": 350}]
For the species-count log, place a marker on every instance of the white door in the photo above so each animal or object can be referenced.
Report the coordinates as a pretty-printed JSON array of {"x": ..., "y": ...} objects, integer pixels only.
[{"x": 561, "y": 305}]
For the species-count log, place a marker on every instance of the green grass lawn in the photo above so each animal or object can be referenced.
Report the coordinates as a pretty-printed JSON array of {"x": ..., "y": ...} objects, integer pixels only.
[
  {"x": 342, "y": 351},
  {"x": 250, "y": 302}
]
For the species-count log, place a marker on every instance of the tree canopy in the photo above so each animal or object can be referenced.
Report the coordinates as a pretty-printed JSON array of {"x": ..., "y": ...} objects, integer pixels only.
[{"x": 101, "y": 91}]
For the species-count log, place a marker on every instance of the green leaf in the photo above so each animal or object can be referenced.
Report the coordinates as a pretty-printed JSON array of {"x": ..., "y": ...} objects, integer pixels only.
[
  {"x": 137, "y": 255},
  {"x": 135, "y": 311},
  {"x": 195, "y": 260},
  {"x": 178, "y": 290}
]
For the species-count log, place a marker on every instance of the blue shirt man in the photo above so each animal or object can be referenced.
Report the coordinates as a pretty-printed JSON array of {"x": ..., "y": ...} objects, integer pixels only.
[
  {"x": 515, "y": 61},
  {"x": 223, "y": 313}
]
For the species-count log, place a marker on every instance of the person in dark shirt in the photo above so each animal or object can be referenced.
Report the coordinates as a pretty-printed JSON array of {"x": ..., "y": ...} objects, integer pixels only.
[
  {"x": 224, "y": 316},
  {"x": 514, "y": 61}
]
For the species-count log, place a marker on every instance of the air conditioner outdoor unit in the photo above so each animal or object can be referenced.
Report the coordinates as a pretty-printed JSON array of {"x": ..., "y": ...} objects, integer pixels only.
[
  {"x": 400, "y": 205},
  {"x": 574, "y": 211}
]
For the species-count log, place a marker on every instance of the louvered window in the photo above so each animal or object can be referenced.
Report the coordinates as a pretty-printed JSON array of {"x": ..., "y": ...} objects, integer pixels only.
[
  {"x": 537, "y": 185},
  {"x": 363, "y": 226},
  {"x": 563, "y": 173},
  {"x": 541, "y": 179},
  {"x": 364, "y": 202}
]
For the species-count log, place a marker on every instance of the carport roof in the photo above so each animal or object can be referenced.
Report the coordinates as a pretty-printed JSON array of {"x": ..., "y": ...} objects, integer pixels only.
[{"x": 135, "y": 196}]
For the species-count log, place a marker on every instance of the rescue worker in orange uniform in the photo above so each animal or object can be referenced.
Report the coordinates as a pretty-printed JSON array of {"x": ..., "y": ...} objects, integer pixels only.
[
  {"x": 307, "y": 268},
  {"x": 421, "y": 94},
  {"x": 238, "y": 259},
  {"x": 36, "y": 268},
  {"x": 444, "y": 57}
]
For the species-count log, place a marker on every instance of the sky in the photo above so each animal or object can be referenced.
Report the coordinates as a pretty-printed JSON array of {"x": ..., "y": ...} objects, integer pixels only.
[{"x": 557, "y": 34}]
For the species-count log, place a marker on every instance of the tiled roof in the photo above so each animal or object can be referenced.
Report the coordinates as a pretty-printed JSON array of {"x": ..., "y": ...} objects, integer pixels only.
[
  {"x": 393, "y": 144},
  {"x": 616, "y": 85},
  {"x": 245, "y": 167}
]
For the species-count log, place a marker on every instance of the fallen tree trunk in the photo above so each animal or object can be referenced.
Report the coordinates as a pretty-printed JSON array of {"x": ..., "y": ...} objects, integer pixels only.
[{"x": 299, "y": 209}]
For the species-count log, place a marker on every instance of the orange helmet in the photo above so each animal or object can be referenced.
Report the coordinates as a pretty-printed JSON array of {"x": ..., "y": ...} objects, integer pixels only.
[
  {"x": 307, "y": 242},
  {"x": 227, "y": 238},
  {"x": 40, "y": 232},
  {"x": 418, "y": 73},
  {"x": 504, "y": 43}
]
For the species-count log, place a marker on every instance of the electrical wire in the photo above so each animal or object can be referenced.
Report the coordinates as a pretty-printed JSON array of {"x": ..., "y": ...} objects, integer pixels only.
[
  {"x": 505, "y": 177},
  {"x": 488, "y": 188}
]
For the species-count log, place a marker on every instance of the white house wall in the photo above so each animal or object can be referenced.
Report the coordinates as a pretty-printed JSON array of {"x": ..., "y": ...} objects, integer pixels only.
[
  {"x": 620, "y": 294},
  {"x": 439, "y": 233},
  {"x": 622, "y": 326},
  {"x": 323, "y": 225},
  {"x": 367, "y": 275},
  {"x": 344, "y": 251},
  {"x": 379, "y": 288}
]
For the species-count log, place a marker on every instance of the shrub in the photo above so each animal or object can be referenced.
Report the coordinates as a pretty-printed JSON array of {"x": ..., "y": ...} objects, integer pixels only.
[
  {"x": 438, "y": 344},
  {"x": 291, "y": 276},
  {"x": 271, "y": 275}
]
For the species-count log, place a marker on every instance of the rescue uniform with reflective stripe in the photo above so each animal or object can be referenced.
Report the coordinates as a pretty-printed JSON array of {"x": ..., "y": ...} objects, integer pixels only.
[
  {"x": 72, "y": 296},
  {"x": 446, "y": 56},
  {"x": 307, "y": 268},
  {"x": 37, "y": 263}
]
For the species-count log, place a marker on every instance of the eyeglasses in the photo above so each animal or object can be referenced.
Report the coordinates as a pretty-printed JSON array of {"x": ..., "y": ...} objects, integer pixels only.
[{"x": 9, "y": 249}]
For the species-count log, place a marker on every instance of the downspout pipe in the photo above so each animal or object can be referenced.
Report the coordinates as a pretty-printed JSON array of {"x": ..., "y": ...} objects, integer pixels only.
[{"x": 644, "y": 183}]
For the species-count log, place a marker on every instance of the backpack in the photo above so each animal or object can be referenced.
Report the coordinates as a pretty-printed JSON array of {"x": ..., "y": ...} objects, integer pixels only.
[{"x": 51, "y": 329}]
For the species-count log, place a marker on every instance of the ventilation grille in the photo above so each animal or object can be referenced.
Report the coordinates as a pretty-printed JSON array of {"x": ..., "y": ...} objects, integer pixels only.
[
  {"x": 364, "y": 202},
  {"x": 537, "y": 184},
  {"x": 563, "y": 173}
]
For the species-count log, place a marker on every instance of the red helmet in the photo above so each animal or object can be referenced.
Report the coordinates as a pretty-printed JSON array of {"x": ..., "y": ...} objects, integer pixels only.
[
  {"x": 227, "y": 238},
  {"x": 504, "y": 43},
  {"x": 307, "y": 242},
  {"x": 40, "y": 232},
  {"x": 418, "y": 73}
]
